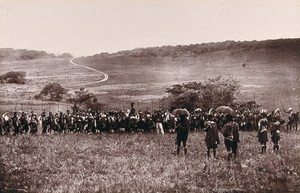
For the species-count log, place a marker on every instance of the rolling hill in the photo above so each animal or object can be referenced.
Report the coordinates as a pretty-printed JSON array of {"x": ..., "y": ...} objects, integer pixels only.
[{"x": 267, "y": 70}]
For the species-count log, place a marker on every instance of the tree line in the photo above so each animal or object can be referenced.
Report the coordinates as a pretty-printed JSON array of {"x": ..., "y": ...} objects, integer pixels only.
[{"x": 210, "y": 93}]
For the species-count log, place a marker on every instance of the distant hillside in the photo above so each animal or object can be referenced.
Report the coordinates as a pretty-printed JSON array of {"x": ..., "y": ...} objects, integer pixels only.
[
  {"x": 195, "y": 50},
  {"x": 267, "y": 70},
  {"x": 9, "y": 54}
]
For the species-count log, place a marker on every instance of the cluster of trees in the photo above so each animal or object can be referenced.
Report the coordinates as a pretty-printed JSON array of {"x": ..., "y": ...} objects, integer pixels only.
[
  {"x": 17, "y": 77},
  {"x": 52, "y": 92},
  {"x": 85, "y": 99},
  {"x": 66, "y": 55},
  {"x": 82, "y": 98},
  {"x": 195, "y": 50},
  {"x": 210, "y": 93},
  {"x": 9, "y": 54},
  {"x": 33, "y": 54}
]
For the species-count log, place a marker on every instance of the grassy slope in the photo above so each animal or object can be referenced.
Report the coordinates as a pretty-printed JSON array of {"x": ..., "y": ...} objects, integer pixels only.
[
  {"x": 271, "y": 72},
  {"x": 144, "y": 163},
  {"x": 39, "y": 73},
  {"x": 9, "y": 54}
]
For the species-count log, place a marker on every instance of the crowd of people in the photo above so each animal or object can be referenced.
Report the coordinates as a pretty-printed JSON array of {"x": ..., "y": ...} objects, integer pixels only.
[{"x": 212, "y": 122}]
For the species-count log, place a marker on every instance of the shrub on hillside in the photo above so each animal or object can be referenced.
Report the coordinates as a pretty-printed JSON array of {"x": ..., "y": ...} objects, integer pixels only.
[
  {"x": 211, "y": 93},
  {"x": 65, "y": 55},
  {"x": 52, "y": 91},
  {"x": 85, "y": 99},
  {"x": 17, "y": 77},
  {"x": 33, "y": 54}
]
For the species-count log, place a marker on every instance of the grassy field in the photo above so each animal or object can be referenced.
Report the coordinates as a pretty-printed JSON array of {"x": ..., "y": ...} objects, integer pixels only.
[
  {"x": 144, "y": 163},
  {"x": 271, "y": 75},
  {"x": 39, "y": 73},
  {"x": 268, "y": 77}
]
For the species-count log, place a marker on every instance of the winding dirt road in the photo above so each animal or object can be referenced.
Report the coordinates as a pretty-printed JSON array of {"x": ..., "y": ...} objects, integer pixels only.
[{"x": 89, "y": 68}]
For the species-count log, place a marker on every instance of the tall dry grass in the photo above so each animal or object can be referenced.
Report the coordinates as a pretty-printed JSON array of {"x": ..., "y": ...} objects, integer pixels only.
[{"x": 143, "y": 163}]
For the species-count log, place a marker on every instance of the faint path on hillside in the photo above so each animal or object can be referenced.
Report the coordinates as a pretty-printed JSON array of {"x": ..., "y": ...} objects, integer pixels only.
[{"x": 93, "y": 69}]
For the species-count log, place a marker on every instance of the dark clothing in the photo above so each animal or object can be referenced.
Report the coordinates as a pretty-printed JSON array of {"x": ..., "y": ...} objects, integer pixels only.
[
  {"x": 44, "y": 123},
  {"x": 234, "y": 147},
  {"x": 231, "y": 136},
  {"x": 182, "y": 136},
  {"x": 24, "y": 123},
  {"x": 33, "y": 124},
  {"x": 275, "y": 132},
  {"x": 275, "y": 136},
  {"x": 262, "y": 135},
  {"x": 158, "y": 118},
  {"x": 182, "y": 131},
  {"x": 212, "y": 135},
  {"x": 16, "y": 125},
  {"x": 231, "y": 130}
]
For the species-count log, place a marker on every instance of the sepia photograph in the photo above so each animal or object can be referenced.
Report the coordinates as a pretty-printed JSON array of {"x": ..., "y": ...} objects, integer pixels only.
[{"x": 158, "y": 96}]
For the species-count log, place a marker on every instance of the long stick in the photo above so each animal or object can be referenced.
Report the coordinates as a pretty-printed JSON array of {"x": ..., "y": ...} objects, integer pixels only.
[
  {"x": 290, "y": 101},
  {"x": 282, "y": 105}
]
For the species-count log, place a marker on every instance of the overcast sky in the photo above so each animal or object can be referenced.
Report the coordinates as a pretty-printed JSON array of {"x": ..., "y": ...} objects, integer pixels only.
[{"x": 87, "y": 27}]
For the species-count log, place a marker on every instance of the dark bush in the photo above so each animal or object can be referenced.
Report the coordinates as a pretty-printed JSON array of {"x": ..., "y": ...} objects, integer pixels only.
[
  {"x": 17, "y": 77},
  {"x": 52, "y": 91},
  {"x": 85, "y": 99},
  {"x": 211, "y": 93}
]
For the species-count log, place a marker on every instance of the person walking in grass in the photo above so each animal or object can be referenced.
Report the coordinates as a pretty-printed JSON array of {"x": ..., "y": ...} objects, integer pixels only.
[
  {"x": 182, "y": 131},
  {"x": 231, "y": 136},
  {"x": 212, "y": 136},
  {"x": 263, "y": 134},
  {"x": 275, "y": 135}
]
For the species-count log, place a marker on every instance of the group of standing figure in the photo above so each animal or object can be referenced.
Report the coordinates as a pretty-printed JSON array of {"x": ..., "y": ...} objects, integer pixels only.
[
  {"x": 160, "y": 121},
  {"x": 270, "y": 123}
]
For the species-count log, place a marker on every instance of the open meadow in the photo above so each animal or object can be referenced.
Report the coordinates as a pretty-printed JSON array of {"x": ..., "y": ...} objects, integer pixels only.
[
  {"x": 268, "y": 72},
  {"x": 144, "y": 163}
]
